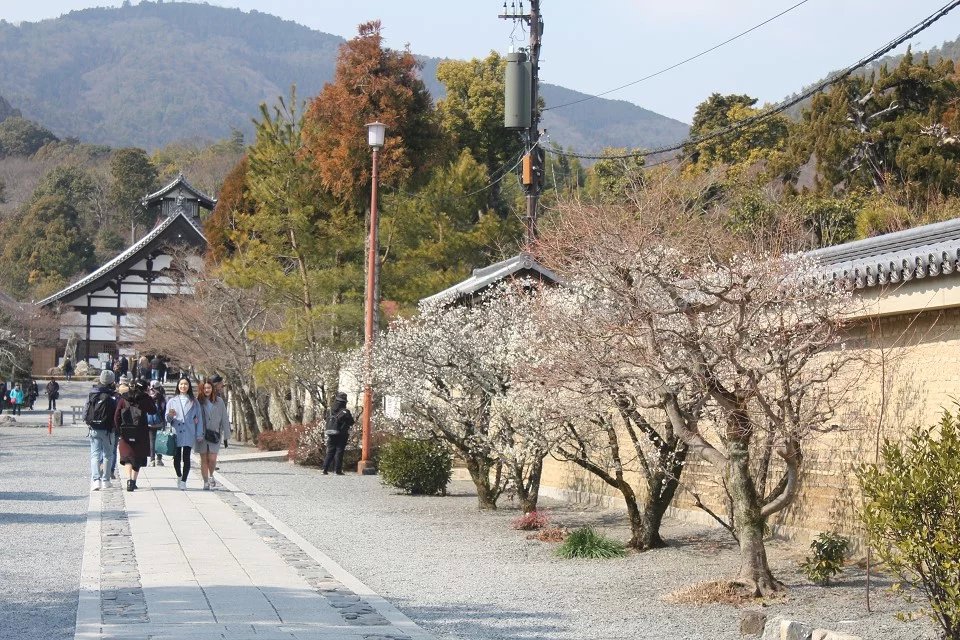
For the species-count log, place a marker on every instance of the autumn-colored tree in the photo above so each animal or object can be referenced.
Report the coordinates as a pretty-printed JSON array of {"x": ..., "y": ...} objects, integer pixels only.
[
  {"x": 370, "y": 83},
  {"x": 233, "y": 202}
]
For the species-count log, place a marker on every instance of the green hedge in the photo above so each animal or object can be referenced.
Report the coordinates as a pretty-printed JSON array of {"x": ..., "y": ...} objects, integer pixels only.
[{"x": 419, "y": 467}]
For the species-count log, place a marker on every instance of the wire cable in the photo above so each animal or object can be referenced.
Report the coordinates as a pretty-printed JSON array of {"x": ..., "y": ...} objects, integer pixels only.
[
  {"x": 783, "y": 106},
  {"x": 682, "y": 62}
]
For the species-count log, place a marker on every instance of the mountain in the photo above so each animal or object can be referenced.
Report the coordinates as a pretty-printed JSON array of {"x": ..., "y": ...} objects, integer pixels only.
[{"x": 156, "y": 72}]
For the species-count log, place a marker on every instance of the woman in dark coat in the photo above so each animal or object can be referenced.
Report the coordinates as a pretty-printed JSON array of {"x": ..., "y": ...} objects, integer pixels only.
[{"x": 131, "y": 420}]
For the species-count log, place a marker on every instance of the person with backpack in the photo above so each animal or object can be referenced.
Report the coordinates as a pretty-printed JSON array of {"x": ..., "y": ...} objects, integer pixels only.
[
  {"x": 155, "y": 420},
  {"x": 216, "y": 430},
  {"x": 99, "y": 416},
  {"x": 53, "y": 392},
  {"x": 130, "y": 416},
  {"x": 337, "y": 431},
  {"x": 183, "y": 414},
  {"x": 68, "y": 368},
  {"x": 17, "y": 399},
  {"x": 33, "y": 391}
]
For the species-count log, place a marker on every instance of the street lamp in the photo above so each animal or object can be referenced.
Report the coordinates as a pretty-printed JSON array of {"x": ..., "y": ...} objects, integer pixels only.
[{"x": 376, "y": 132}]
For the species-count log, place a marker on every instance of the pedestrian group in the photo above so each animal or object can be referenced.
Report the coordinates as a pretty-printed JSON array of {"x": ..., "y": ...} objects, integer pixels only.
[{"x": 132, "y": 421}]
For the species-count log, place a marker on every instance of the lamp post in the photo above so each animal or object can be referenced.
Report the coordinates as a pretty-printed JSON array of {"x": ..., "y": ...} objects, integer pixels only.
[{"x": 376, "y": 131}]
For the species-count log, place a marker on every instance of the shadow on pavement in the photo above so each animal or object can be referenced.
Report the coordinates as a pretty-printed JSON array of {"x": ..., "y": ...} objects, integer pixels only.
[
  {"x": 38, "y": 496},
  {"x": 484, "y": 621}
]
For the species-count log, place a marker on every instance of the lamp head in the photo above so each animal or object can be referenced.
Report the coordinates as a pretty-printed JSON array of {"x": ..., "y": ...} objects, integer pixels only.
[{"x": 376, "y": 132}]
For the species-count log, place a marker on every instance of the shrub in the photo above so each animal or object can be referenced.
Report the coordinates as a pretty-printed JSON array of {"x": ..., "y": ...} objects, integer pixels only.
[
  {"x": 531, "y": 521},
  {"x": 912, "y": 516},
  {"x": 587, "y": 543},
  {"x": 281, "y": 440},
  {"x": 419, "y": 467},
  {"x": 311, "y": 444},
  {"x": 829, "y": 550},
  {"x": 550, "y": 534}
]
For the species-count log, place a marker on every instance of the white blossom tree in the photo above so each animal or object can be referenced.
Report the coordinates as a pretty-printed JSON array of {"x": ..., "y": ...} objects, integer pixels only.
[
  {"x": 455, "y": 370},
  {"x": 740, "y": 350}
]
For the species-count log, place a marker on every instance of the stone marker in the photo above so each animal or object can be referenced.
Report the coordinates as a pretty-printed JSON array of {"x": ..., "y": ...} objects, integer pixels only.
[
  {"x": 780, "y": 629},
  {"x": 771, "y": 630},
  {"x": 752, "y": 623},
  {"x": 58, "y": 418},
  {"x": 792, "y": 630}
]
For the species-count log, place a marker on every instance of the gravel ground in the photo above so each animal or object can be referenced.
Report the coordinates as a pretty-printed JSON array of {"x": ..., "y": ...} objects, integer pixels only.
[
  {"x": 43, "y": 513},
  {"x": 465, "y": 574}
]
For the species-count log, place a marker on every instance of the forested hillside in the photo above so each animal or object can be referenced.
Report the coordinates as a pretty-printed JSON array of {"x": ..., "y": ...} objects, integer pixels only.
[{"x": 156, "y": 72}]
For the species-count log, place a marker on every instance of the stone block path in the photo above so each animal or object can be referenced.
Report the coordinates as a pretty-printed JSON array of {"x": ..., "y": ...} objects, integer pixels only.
[{"x": 160, "y": 563}]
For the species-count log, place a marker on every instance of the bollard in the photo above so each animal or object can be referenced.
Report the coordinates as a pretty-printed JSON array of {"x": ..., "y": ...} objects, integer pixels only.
[{"x": 50, "y": 425}]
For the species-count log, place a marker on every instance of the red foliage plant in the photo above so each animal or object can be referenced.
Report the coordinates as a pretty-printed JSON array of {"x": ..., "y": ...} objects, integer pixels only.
[
  {"x": 283, "y": 440},
  {"x": 532, "y": 521}
]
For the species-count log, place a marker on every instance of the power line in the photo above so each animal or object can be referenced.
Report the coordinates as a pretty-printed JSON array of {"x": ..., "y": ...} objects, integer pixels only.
[
  {"x": 783, "y": 106},
  {"x": 682, "y": 62}
]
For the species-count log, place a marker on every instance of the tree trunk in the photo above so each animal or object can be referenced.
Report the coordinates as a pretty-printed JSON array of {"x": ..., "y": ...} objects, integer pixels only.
[
  {"x": 249, "y": 414},
  {"x": 754, "y": 569},
  {"x": 480, "y": 474},
  {"x": 644, "y": 519},
  {"x": 528, "y": 488}
]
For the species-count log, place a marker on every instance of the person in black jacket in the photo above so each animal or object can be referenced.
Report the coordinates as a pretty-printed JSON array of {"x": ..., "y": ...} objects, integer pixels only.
[
  {"x": 338, "y": 426},
  {"x": 53, "y": 392}
]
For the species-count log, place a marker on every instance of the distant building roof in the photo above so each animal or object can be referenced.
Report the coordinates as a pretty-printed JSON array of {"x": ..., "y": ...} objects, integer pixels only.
[
  {"x": 130, "y": 256},
  {"x": 518, "y": 266},
  {"x": 922, "y": 252},
  {"x": 179, "y": 182}
]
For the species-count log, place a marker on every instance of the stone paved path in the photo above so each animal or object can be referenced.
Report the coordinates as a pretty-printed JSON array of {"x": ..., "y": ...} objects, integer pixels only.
[{"x": 160, "y": 563}]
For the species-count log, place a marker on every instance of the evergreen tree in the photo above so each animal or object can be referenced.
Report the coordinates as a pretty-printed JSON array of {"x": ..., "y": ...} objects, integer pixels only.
[
  {"x": 433, "y": 239},
  {"x": 472, "y": 114},
  {"x": 134, "y": 176},
  {"x": 611, "y": 179},
  {"x": 45, "y": 247},
  {"x": 20, "y": 137}
]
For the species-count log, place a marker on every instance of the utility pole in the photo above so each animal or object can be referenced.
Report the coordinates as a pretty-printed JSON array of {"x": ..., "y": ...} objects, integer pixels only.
[{"x": 533, "y": 161}]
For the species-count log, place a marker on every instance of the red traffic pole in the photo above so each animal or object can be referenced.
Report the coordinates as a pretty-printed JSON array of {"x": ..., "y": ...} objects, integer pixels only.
[{"x": 50, "y": 425}]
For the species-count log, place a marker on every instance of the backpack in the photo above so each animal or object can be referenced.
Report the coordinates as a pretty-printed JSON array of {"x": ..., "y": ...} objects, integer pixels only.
[
  {"x": 131, "y": 419},
  {"x": 333, "y": 423},
  {"x": 99, "y": 411}
]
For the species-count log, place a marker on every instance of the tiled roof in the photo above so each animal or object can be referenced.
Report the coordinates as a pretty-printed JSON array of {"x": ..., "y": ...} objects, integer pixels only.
[
  {"x": 922, "y": 252},
  {"x": 487, "y": 276},
  {"x": 128, "y": 255},
  {"x": 180, "y": 181}
]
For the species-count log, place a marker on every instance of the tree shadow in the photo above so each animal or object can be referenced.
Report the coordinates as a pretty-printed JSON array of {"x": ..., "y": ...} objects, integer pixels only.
[
  {"x": 51, "y": 616},
  {"x": 34, "y": 496},
  {"x": 7, "y": 517},
  {"x": 485, "y": 621}
]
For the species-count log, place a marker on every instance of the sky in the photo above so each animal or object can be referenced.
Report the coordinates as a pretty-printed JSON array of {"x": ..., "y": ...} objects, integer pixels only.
[{"x": 601, "y": 44}]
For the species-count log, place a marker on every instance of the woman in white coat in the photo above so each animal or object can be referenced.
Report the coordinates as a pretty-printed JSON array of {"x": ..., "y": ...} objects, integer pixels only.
[
  {"x": 183, "y": 414},
  {"x": 216, "y": 424}
]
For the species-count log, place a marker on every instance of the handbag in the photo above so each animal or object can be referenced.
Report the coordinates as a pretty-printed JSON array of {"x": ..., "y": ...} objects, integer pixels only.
[
  {"x": 211, "y": 436},
  {"x": 166, "y": 444}
]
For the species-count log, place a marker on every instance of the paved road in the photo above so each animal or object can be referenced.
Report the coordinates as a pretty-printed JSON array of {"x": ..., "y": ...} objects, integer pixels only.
[
  {"x": 43, "y": 512},
  {"x": 158, "y": 563}
]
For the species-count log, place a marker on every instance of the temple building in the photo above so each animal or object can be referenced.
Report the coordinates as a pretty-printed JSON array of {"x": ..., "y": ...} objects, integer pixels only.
[{"x": 103, "y": 313}]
